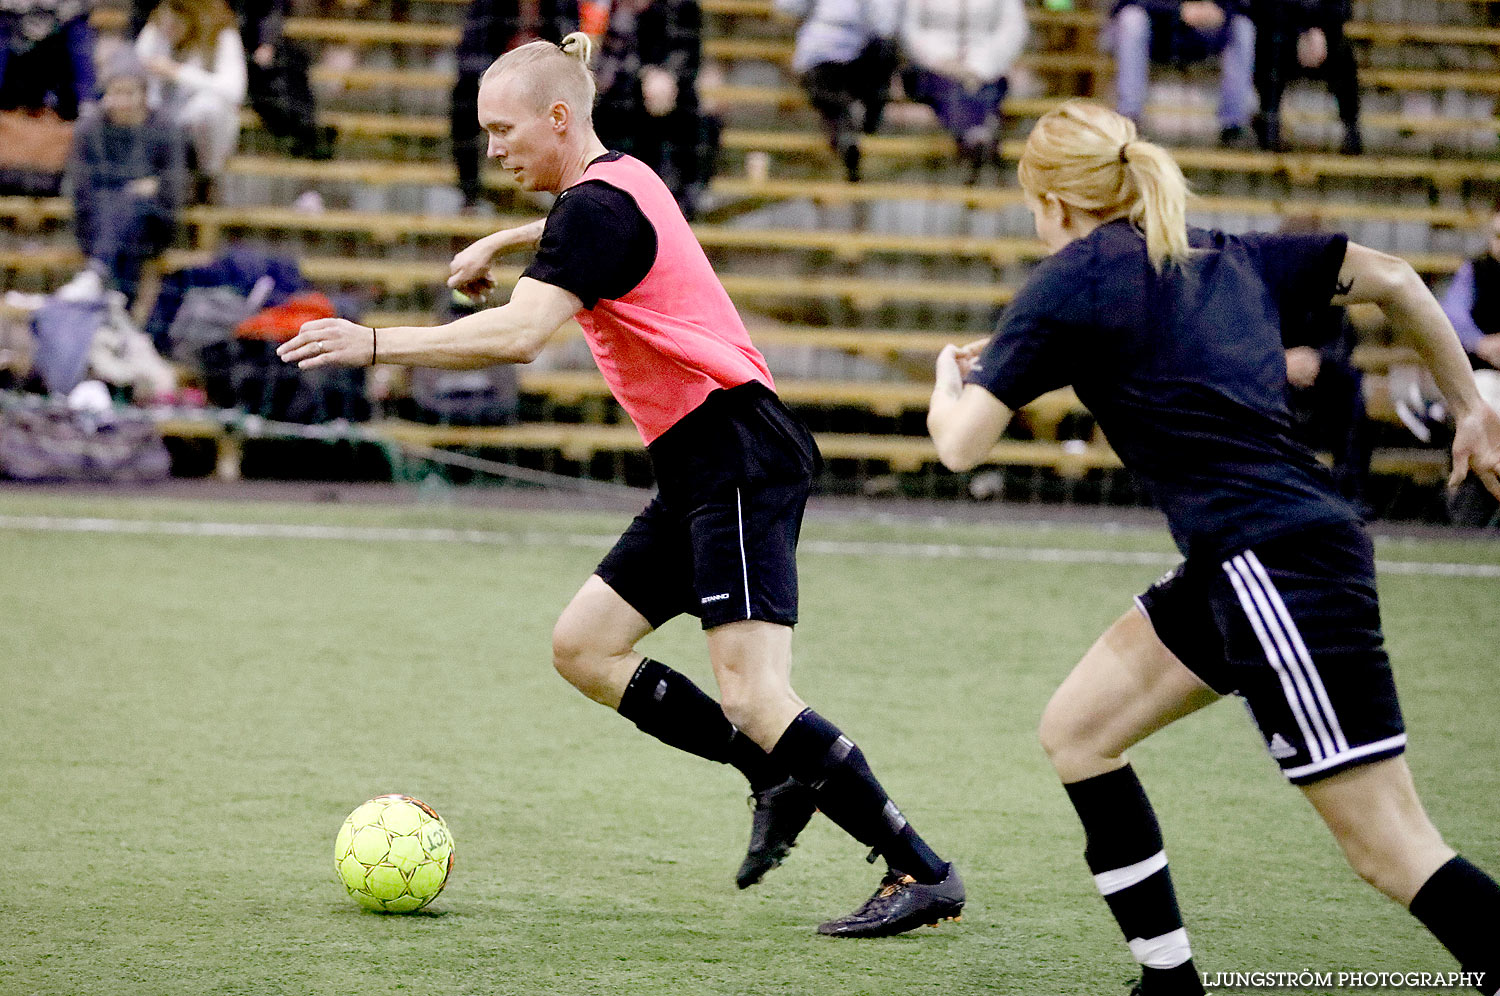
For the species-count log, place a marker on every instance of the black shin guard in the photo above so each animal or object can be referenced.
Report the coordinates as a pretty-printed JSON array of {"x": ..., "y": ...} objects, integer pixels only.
[
  {"x": 818, "y": 755},
  {"x": 1460, "y": 904},
  {"x": 1123, "y": 848},
  {"x": 668, "y": 706}
]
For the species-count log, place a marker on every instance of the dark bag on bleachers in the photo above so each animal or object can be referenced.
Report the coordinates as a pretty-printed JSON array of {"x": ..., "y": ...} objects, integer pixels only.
[
  {"x": 247, "y": 374},
  {"x": 55, "y": 443},
  {"x": 282, "y": 96},
  {"x": 466, "y": 397}
]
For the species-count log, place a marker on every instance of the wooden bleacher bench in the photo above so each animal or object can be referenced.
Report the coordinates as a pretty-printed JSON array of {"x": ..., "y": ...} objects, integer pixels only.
[
  {"x": 27, "y": 212},
  {"x": 902, "y": 454},
  {"x": 788, "y": 97},
  {"x": 1300, "y": 167},
  {"x": 1303, "y": 167},
  {"x": 356, "y": 31}
]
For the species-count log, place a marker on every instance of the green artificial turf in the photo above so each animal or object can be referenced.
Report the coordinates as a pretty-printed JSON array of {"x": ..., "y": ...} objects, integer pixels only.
[{"x": 186, "y": 720}]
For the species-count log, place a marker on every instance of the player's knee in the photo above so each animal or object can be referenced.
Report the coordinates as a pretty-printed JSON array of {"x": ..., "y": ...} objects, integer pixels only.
[
  {"x": 1057, "y": 734},
  {"x": 1395, "y": 860},
  {"x": 741, "y": 705},
  {"x": 574, "y": 654},
  {"x": 1381, "y": 866}
]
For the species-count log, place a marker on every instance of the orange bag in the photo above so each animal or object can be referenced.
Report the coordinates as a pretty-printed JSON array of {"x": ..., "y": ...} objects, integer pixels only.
[
  {"x": 35, "y": 140},
  {"x": 280, "y": 323}
]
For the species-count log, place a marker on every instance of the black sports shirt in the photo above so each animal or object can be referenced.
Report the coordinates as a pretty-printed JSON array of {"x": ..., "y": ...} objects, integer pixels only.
[
  {"x": 1184, "y": 371},
  {"x": 596, "y": 244}
]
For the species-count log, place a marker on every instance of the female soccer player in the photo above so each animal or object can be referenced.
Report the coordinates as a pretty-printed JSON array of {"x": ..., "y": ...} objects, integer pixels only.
[
  {"x": 733, "y": 467},
  {"x": 1174, "y": 340}
]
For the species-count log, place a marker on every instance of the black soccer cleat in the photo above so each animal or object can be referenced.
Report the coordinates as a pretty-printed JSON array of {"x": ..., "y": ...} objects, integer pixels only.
[
  {"x": 780, "y": 813},
  {"x": 901, "y": 904}
]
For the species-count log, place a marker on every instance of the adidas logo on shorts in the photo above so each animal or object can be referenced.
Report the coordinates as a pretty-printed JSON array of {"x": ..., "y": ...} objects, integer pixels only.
[{"x": 1280, "y": 749}]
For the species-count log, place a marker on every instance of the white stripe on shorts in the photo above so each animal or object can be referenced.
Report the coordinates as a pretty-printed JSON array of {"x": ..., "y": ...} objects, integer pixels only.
[
  {"x": 1344, "y": 757},
  {"x": 1314, "y": 678},
  {"x": 739, "y": 514},
  {"x": 1116, "y": 879},
  {"x": 1273, "y": 656},
  {"x": 1265, "y": 601}
]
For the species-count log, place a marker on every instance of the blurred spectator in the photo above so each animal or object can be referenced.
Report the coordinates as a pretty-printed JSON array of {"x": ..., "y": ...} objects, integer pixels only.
[
  {"x": 278, "y": 86},
  {"x": 1180, "y": 32},
  {"x": 961, "y": 52},
  {"x": 127, "y": 172},
  {"x": 196, "y": 65},
  {"x": 845, "y": 57},
  {"x": 1296, "y": 37},
  {"x": 648, "y": 103},
  {"x": 492, "y": 28},
  {"x": 46, "y": 56},
  {"x": 1327, "y": 400},
  {"x": 1472, "y": 301}
]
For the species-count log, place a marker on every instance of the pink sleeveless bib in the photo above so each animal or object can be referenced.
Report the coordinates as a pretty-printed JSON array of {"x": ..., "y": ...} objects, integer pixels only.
[{"x": 676, "y": 337}]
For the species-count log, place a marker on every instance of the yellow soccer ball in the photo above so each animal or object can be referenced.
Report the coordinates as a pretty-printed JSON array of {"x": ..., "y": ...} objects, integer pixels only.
[{"x": 394, "y": 854}]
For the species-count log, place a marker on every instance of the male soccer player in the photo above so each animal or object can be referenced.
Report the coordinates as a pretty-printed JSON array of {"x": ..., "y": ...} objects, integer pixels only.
[{"x": 733, "y": 468}]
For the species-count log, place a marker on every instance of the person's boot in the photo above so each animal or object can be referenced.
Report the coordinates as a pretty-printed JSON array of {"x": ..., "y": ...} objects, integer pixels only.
[
  {"x": 779, "y": 814},
  {"x": 901, "y": 903}
]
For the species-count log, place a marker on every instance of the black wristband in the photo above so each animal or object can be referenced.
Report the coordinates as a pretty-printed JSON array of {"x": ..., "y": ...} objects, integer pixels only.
[{"x": 372, "y": 345}]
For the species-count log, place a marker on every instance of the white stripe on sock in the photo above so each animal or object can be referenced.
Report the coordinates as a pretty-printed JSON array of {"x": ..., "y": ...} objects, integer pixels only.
[
  {"x": 1112, "y": 881},
  {"x": 1166, "y": 951}
]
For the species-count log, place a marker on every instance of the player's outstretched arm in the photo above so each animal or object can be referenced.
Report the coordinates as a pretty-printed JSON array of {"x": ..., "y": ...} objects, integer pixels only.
[
  {"x": 964, "y": 420},
  {"x": 512, "y": 333},
  {"x": 470, "y": 269},
  {"x": 1390, "y": 282}
]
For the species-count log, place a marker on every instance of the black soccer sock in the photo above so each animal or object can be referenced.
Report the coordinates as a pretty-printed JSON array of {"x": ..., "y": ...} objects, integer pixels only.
[
  {"x": 1460, "y": 904},
  {"x": 668, "y": 706},
  {"x": 1123, "y": 848},
  {"x": 818, "y": 755}
]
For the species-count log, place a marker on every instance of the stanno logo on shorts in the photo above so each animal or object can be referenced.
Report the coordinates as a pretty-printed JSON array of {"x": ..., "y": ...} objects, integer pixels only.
[
  {"x": 1280, "y": 749},
  {"x": 713, "y": 598}
]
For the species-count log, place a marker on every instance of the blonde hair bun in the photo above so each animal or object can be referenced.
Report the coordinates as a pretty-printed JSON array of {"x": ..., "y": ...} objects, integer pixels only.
[{"x": 579, "y": 45}]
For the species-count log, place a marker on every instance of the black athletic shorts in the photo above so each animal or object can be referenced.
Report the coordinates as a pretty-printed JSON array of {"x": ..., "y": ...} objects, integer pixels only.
[
  {"x": 1291, "y": 625},
  {"x": 720, "y": 539}
]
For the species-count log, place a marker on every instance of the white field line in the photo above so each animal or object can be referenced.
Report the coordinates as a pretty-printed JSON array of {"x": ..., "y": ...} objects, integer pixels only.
[{"x": 396, "y": 534}]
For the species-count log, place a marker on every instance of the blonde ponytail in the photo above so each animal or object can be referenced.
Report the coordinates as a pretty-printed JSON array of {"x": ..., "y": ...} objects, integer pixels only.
[{"x": 1089, "y": 157}]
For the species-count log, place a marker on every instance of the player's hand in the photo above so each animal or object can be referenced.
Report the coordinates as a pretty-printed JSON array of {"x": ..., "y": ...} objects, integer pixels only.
[
  {"x": 469, "y": 271},
  {"x": 950, "y": 375},
  {"x": 330, "y": 342},
  {"x": 1476, "y": 446},
  {"x": 1302, "y": 366},
  {"x": 1312, "y": 48},
  {"x": 1203, "y": 15},
  {"x": 263, "y": 55},
  {"x": 968, "y": 355}
]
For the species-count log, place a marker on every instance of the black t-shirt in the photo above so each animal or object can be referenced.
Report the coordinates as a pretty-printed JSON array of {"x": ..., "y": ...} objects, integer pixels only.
[
  {"x": 1184, "y": 371},
  {"x": 597, "y": 244}
]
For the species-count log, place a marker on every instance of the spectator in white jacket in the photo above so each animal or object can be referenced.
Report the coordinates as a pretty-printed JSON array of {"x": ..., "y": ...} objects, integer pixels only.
[
  {"x": 960, "y": 54},
  {"x": 192, "y": 50},
  {"x": 845, "y": 56}
]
